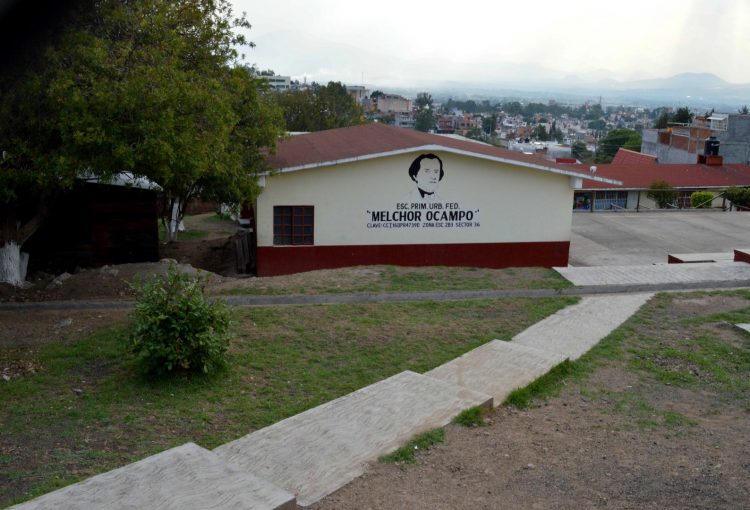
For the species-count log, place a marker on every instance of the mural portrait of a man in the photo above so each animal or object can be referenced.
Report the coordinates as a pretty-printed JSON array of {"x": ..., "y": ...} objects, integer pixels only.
[{"x": 426, "y": 171}]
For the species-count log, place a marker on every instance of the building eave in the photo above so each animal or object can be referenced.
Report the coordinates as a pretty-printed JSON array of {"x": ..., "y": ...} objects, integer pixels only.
[{"x": 452, "y": 150}]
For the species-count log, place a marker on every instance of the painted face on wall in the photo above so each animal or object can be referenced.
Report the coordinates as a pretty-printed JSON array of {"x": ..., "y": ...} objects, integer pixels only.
[{"x": 428, "y": 176}]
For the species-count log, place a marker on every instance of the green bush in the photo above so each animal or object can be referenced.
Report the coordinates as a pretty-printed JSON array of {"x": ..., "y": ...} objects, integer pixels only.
[
  {"x": 176, "y": 329},
  {"x": 738, "y": 196},
  {"x": 662, "y": 193},
  {"x": 701, "y": 199}
]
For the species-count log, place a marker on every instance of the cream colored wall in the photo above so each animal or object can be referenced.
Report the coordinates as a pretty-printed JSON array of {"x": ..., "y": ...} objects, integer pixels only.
[
  {"x": 718, "y": 201},
  {"x": 515, "y": 204}
]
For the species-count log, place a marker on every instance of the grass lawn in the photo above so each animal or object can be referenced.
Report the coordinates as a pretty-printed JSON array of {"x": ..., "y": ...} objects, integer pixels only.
[
  {"x": 398, "y": 279},
  {"x": 85, "y": 410},
  {"x": 678, "y": 343},
  {"x": 657, "y": 415}
]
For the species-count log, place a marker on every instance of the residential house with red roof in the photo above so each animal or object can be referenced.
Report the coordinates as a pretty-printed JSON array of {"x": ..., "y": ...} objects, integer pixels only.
[
  {"x": 636, "y": 172},
  {"x": 375, "y": 194}
]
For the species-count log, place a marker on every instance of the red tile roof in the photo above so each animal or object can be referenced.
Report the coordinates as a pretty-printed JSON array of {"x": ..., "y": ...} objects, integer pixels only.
[
  {"x": 371, "y": 140},
  {"x": 628, "y": 157},
  {"x": 677, "y": 175}
]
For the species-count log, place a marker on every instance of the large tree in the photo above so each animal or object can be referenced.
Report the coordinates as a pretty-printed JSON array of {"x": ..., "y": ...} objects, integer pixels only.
[
  {"x": 610, "y": 144},
  {"x": 424, "y": 119},
  {"x": 322, "y": 107},
  {"x": 146, "y": 87}
]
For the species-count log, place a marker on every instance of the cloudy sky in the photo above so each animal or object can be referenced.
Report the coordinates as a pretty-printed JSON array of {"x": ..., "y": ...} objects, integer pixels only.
[{"x": 411, "y": 43}]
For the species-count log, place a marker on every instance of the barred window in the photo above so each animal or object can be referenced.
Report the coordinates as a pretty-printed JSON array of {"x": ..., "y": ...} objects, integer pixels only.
[{"x": 293, "y": 224}]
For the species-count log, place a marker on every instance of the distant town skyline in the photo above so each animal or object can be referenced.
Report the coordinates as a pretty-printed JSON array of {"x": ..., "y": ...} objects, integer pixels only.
[{"x": 413, "y": 44}]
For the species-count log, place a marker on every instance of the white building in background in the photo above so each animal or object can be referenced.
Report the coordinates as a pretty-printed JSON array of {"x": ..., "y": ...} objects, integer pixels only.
[{"x": 279, "y": 83}]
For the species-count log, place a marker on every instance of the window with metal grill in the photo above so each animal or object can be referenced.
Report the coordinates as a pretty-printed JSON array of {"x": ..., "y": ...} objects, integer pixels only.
[{"x": 293, "y": 224}]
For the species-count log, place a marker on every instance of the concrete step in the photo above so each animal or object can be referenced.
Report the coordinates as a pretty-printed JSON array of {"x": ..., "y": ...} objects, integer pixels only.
[
  {"x": 183, "y": 478},
  {"x": 497, "y": 368},
  {"x": 691, "y": 258},
  {"x": 320, "y": 450},
  {"x": 657, "y": 274},
  {"x": 574, "y": 330}
]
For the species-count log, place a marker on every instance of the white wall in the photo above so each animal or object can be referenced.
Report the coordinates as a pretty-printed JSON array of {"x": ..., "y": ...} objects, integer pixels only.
[{"x": 508, "y": 203}]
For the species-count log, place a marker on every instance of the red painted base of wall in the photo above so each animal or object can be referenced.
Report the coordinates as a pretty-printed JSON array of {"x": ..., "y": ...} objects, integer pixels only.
[
  {"x": 741, "y": 256},
  {"x": 278, "y": 260}
]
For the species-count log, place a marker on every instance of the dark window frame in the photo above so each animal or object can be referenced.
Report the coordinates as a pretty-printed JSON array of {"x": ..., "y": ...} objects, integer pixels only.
[{"x": 293, "y": 225}]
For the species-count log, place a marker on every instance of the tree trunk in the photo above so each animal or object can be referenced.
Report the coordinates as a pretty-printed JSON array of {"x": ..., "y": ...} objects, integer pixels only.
[
  {"x": 13, "y": 233},
  {"x": 175, "y": 224},
  {"x": 11, "y": 264}
]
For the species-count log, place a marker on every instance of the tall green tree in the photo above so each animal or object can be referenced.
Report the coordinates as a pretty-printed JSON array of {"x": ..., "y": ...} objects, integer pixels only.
[
  {"x": 147, "y": 87},
  {"x": 682, "y": 115},
  {"x": 662, "y": 122},
  {"x": 322, "y": 107},
  {"x": 489, "y": 123},
  {"x": 540, "y": 133},
  {"x": 611, "y": 143},
  {"x": 424, "y": 119}
]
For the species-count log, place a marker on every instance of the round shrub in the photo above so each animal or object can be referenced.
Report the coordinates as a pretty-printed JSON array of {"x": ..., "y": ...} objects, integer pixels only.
[
  {"x": 701, "y": 199},
  {"x": 176, "y": 329}
]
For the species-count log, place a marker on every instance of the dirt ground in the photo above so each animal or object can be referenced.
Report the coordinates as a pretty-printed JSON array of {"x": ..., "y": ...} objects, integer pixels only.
[
  {"x": 618, "y": 439},
  {"x": 621, "y": 438},
  {"x": 210, "y": 253}
]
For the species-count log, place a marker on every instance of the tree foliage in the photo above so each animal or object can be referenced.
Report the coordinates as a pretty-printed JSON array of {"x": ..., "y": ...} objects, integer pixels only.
[
  {"x": 662, "y": 193},
  {"x": 611, "y": 143},
  {"x": 321, "y": 107},
  {"x": 145, "y": 87},
  {"x": 701, "y": 199},
  {"x": 682, "y": 116},
  {"x": 175, "y": 328},
  {"x": 738, "y": 196},
  {"x": 579, "y": 151},
  {"x": 540, "y": 133},
  {"x": 424, "y": 119},
  {"x": 662, "y": 122},
  {"x": 489, "y": 123}
]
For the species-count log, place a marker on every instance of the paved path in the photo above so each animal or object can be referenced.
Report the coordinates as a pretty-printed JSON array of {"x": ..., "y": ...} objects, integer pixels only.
[
  {"x": 687, "y": 274},
  {"x": 314, "y": 453},
  {"x": 319, "y": 451},
  {"x": 384, "y": 297},
  {"x": 574, "y": 330},
  {"x": 625, "y": 238},
  {"x": 182, "y": 478}
]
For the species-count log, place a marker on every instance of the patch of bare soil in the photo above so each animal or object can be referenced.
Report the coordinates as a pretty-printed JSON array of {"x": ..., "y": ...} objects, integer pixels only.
[
  {"x": 21, "y": 334},
  {"x": 572, "y": 453},
  {"x": 618, "y": 439},
  {"x": 107, "y": 282}
]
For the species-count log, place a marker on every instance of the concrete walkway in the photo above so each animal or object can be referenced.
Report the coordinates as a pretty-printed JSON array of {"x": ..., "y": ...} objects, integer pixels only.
[
  {"x": 314, "y": 453},
  {"x": 658, "y": 274}
]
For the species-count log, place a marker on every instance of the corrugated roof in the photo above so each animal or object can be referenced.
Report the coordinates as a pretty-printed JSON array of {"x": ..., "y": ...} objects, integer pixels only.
[
  {"x": 333, "y": 146},
  {"x": 640, "y": 176}
]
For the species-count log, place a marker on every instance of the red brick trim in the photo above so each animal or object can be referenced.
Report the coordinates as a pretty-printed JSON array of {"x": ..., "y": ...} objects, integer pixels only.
[
  {"x": 278, "y": 260},
  {"x": 742, "y": 256}
]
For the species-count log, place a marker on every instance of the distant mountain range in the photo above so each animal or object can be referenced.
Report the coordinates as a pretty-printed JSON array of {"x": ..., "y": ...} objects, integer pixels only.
[
  {"x": 696, "y": 90},
  {"x": 323, "y": 60}
]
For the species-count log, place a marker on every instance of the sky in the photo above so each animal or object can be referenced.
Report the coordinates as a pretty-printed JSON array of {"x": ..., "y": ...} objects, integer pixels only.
[{"x": 411, "y": 43}]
